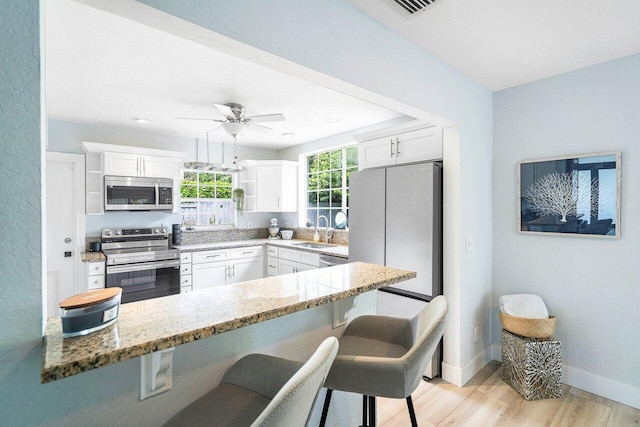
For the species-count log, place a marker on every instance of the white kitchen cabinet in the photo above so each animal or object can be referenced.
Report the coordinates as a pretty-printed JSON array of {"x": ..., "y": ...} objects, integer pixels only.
[
  {"x": 243, "y": 270},
  {"x": 287, "y": 267},
  {"x": 185, "y": 273},
  {"x": 294, "y": 261},
  {"x": 123, "y": 160},
  {"x": 127, "y": 164},
  {"x": 225, "y": 266},
  {"x": 209, "y": 275},
  {"x": 94, "y": 273},
  {"x": 270, "y": 185},
  {"x": 407, "y": 143}
]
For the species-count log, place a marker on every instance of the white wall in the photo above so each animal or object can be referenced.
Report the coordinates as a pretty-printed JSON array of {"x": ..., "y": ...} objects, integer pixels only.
[{"x": 590, "y": 284}]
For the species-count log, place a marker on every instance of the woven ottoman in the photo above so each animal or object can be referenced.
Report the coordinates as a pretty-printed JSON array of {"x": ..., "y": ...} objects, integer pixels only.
[{"x": 532, "y": 366}]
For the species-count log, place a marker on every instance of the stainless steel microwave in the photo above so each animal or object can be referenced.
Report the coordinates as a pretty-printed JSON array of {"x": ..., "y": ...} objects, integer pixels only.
[{"x": 122, "y": 193}]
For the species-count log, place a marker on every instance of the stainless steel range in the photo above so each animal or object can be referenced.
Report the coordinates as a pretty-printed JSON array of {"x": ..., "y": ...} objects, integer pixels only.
[{"x": 141, "y": 262}]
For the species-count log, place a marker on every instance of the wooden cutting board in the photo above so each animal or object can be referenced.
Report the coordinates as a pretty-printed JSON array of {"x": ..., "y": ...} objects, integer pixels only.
[{"x": 90, "y": 298}]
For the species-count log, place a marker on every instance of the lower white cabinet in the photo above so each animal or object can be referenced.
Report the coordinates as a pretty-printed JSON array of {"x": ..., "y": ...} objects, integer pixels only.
[
  {"x": 185, "y": 272},
  {"x": 288, "y": 267},
  {"x": 94, "y": 273},
  {"x": 209, "y": 275},
  {"x": 293, "y": 261},
  {"x": 221, "y": 267},
  {"x": 246, "y": 269}
]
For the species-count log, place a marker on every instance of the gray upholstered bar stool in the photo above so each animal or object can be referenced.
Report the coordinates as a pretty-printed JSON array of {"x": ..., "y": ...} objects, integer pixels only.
[
  {"x": 261, "y": 390},
  {"x": 386, "y": 357}
]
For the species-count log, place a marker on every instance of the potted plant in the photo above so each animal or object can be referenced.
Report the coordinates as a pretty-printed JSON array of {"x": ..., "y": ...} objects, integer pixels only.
[{"x": 238, "y": 198}]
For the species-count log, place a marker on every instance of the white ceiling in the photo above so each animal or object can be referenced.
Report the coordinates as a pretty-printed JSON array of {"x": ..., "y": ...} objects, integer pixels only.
[
  {"x": 504, "y": 43},
  {"x": 102, "y": 69}
]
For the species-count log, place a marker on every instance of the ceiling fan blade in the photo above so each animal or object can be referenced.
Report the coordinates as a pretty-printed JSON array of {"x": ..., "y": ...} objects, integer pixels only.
[
  {"x": 226, "y": 111},
  {"x": 215, "y": 129},
  {"x": 258, "y": 128},
  {"x": 266, "y": 118},
  {"x": 199, "y": 118}
]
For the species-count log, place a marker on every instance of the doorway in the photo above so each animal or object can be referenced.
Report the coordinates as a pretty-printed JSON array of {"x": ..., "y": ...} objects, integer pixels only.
[{"x": 65, "y": 228}]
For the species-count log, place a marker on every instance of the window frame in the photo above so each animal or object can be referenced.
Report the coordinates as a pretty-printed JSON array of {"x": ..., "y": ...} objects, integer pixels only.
[
  {"x": 303, "y": 182},
  {"x": 204, "y": 227}
]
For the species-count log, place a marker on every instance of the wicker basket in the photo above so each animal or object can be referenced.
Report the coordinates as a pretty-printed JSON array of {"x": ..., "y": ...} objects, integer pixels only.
[{"x": 531, "y": 328}]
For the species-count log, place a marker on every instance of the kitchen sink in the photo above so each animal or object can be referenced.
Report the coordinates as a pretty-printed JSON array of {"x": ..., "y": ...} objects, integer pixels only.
[{"x": 314, "y": 245}]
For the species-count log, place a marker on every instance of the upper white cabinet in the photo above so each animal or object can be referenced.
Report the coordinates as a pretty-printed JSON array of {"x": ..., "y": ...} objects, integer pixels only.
[
  {"x": 270, "y": 185},
  {"x": 125, "y": 164},
  {"x": 406, "y": 143},
  {"x": 124, "y": 160}
]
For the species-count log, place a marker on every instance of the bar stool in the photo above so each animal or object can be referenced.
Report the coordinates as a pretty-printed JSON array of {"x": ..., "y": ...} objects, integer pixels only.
[
  {"x": 386, "y": 357},
  {"x": 261, "y": 390}
]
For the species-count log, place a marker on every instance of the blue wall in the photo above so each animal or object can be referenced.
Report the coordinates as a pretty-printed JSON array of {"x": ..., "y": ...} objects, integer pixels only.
[{"x": 590, "y": 284}]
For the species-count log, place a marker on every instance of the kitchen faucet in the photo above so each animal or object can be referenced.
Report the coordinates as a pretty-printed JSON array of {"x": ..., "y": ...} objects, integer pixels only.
[{"x": 327, "y": 233}]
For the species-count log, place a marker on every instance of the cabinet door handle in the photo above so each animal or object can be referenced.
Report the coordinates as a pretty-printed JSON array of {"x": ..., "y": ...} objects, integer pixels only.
[
  {"x": 391, "y": 145},
  {"x": 144, "y": 166},
  {"x": 234, "y": 270},
  {"x": 397, "y": 147}
]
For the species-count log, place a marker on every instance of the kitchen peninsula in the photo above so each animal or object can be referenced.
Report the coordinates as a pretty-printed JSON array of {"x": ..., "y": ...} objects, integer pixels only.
[{"x": 151, "y": 325}]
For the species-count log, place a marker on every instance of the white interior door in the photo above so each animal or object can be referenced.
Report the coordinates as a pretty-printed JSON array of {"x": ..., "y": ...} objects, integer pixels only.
[{"x": 65, "y": 227}]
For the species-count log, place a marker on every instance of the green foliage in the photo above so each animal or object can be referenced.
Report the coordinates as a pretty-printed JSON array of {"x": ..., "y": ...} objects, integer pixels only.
[
  {"x": 211, "y": 185},
  {"x": 188, "y": 191}
]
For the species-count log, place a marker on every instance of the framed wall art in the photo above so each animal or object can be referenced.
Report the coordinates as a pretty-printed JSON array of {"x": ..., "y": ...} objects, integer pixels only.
[{"x": 575, "y": 196}]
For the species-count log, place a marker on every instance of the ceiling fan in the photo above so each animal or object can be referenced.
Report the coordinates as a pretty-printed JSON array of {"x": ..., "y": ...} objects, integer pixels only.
[{"x": 236, "y": 122}]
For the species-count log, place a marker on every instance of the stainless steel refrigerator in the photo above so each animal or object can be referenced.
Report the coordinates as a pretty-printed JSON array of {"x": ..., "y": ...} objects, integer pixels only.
[{"x": 395, "y": 219}]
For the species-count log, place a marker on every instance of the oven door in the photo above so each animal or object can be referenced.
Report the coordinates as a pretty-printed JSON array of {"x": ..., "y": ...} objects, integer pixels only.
[{"x": 145, "y": 280}]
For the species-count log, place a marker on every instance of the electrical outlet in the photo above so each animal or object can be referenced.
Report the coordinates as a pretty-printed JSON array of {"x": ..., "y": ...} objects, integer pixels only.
[
  {"x": 476, "y": 333},
  {"x": 249, "y": 225},
  {"x": 468, "y": 244}
]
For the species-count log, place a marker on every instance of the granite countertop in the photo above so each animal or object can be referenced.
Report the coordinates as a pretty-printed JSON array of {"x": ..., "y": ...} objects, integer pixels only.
[
  {"x": 156, "y": 324},
  {"x": 332, "y": 249},
  {"x": 92, "y": 256}
]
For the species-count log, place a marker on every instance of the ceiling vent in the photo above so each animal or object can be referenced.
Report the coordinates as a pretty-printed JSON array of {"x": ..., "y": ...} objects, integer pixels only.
[{"x": 412, "y": 7}]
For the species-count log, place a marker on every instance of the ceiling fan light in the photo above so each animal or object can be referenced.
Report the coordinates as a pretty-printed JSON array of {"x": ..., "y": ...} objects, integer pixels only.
[{"x": 233, "y": 128}]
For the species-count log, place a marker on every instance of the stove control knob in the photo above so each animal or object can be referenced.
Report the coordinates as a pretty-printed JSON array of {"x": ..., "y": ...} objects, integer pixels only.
[
  {"x": 156, "y": 231},
  {"x": 107, "y": 233},
  {"x": 118, "y": 232}
]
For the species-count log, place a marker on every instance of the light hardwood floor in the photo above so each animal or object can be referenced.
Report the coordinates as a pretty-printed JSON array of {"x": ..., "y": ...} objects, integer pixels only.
[{"x": 488, "y": 401}]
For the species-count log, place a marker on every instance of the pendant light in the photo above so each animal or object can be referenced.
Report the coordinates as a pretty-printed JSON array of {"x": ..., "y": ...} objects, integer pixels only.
[{"x": 204, "y": 166}]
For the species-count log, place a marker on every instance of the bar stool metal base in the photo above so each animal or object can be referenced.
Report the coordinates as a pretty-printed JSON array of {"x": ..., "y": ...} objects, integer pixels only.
[{"x": 368, "y": 410}]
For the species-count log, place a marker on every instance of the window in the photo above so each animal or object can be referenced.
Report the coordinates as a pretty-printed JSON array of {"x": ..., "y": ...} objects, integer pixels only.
[
  {"x": 327, "y": 176},
  {"x": 205, "y": 198}
]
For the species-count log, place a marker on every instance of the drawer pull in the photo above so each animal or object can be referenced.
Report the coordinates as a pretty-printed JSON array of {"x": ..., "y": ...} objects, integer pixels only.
[
  {"x": 272, "y": 266},
  {"x": 213, "y": 256},
  {"x": 247, "y": 252}
]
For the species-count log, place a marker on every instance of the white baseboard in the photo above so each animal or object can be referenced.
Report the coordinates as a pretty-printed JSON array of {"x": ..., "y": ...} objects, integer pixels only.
[
  {"x": 614, "y": 390},
  {"x": 460, "y": 375}
]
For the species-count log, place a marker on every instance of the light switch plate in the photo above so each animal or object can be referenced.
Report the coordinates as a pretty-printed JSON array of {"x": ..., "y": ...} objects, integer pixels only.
[{"x": 468, "y": 244}]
